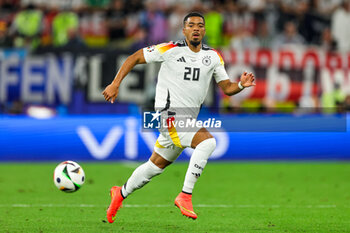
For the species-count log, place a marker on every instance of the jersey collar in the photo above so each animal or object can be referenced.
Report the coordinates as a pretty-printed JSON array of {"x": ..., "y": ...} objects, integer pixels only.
[{"x": 184, "y": 43}]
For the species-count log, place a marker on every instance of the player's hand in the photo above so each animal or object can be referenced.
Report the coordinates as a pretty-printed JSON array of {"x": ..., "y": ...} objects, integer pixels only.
[
  {"x": 111, "y": 92},
  {"x": 247, "y": 79}
]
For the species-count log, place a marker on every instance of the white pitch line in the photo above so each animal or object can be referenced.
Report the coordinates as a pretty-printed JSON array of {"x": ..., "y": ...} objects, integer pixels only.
[{"x": 166, "y": 206}]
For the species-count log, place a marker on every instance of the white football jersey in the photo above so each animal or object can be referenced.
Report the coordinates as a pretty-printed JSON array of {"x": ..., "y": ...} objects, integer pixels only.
[{"x": 184, "y": 76}]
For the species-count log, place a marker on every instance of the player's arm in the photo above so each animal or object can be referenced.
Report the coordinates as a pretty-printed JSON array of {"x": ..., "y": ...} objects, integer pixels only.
[
  {"x": 111, "y": 91},
  {"x": 232, "y": 88}
]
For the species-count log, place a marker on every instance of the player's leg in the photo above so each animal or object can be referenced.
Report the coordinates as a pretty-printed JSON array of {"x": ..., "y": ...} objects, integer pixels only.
[
  {"x": 204, "y": 144},
  {"x": 140, "y": 177},
  {"x": 161, "y": 157},
  {"x": 144, "y": 173}
]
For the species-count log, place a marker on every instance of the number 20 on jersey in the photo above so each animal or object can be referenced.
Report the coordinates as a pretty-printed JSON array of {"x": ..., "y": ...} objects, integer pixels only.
[{"x": 191, "y": 74}]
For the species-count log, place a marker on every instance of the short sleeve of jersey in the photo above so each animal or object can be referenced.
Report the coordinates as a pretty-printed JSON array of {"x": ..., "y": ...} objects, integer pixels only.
[
  {"x": 152, "y": 54},
  {"x": 158, "y": 53},
  {"x": 220, "y": 73}
]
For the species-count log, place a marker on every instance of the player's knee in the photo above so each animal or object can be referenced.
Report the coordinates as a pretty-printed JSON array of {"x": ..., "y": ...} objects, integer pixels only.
[
  {"x": 208, "y": 145},
  {"x": 154, "y": 170},
  {"x": 212, "y": 143}
]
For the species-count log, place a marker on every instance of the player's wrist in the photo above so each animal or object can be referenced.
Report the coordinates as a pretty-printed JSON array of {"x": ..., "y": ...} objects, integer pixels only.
[
  {"x": 115, "y": 84},
  {"x": 240, "y": 86}
]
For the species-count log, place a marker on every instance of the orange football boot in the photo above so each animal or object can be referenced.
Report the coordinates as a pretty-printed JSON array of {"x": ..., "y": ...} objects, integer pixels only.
[
  {"x": 184, "y": 202},
  {"x": 116, "y": 203}
]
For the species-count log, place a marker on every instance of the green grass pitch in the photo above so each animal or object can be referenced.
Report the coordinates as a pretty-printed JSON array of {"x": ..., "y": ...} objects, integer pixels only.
[{"x": 229, "y": 197}]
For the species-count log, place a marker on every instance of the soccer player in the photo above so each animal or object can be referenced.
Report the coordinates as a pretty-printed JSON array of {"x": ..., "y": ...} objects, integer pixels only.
[{"x": 187, "y": 68}]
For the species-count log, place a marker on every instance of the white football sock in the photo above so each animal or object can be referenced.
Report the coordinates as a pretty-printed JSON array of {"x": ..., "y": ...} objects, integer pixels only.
[
  {"x": 141, "y": 176},
  {"x": 198, "y": 161}
]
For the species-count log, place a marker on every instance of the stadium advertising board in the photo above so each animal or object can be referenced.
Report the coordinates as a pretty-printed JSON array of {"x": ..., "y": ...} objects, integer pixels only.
[
  {"x": 122, "y": 138},
  {"x": 290, "y": 74},
  {"x": 53, "y": 79},
  {"x": 285, "y": 75}
]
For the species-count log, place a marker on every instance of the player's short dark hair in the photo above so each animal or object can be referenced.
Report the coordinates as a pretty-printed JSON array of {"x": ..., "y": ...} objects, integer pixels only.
[{"x": 193, "y": 14}]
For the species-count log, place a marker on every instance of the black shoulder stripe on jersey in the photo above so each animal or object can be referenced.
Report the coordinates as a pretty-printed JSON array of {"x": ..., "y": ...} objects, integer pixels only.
[
  {"x": 205, "y": 47},
  {"x": 181, "y": 43},
  {"x": 167, "y": 106}
]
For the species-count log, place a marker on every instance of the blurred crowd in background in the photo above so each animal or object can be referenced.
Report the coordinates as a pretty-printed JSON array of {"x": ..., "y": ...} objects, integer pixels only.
[
  {"x": 237, "y": 24},
  {"x": 32, "y": 25}
]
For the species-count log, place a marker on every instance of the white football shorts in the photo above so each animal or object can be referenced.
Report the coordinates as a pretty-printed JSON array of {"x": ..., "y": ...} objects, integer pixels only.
[{"x": 171, "y": 143}]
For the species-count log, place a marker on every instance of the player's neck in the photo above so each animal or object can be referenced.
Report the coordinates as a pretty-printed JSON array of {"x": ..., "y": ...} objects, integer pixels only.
[{"x": 193, "y": 48}]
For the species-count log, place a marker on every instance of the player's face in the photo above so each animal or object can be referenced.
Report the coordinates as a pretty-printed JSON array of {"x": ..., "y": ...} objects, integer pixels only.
[{"x": 194, "y": 29}]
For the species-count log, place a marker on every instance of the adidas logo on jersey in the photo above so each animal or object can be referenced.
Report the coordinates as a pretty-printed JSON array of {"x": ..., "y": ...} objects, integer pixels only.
[{"x": 181, "y": 59}]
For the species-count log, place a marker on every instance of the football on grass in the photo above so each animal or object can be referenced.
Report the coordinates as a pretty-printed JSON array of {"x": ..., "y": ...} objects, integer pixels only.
[{"x": 69, "y": 176}]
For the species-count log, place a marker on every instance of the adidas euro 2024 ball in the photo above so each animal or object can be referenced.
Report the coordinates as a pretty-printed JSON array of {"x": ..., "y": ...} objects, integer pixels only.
[{"x": 69, "y": 176}]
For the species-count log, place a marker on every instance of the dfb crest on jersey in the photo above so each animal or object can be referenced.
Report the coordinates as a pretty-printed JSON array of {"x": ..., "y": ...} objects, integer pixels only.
[
  {"x": 150, "y": 48},
  {"x": 206, "y": 60}
]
